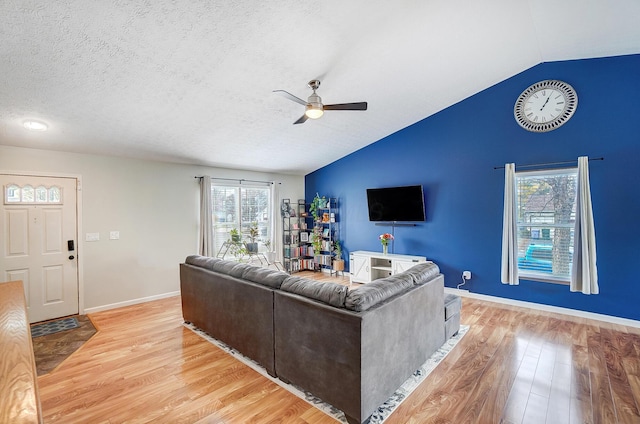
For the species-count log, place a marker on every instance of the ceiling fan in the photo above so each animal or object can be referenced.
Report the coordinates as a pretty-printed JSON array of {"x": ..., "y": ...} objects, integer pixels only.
[{"x": 314, "y": 107}]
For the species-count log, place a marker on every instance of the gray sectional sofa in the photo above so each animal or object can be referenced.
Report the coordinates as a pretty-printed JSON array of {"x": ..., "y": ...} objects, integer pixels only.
[{"x": 350, "y": 348}]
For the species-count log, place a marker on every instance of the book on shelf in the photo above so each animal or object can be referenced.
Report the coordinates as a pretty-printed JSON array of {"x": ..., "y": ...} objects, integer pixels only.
[
  {"x": 292, "y": 252},
  {"x": 309, "y": 264},
  {"x": 306, "y": 250}
]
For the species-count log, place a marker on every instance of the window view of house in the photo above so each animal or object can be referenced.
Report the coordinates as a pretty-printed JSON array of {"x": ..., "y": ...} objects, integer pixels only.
[{"x": 546, "y": 217}]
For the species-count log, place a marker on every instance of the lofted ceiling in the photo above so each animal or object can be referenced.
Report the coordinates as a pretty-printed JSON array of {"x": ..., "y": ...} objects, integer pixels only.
[{"x": 191, "y": 81}]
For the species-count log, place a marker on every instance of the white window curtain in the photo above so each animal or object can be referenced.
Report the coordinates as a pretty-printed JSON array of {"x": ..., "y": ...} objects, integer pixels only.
[
  {"x": 584, "y": 275},
  {"x": 276, "y": 222},
  {"x": 206, "y": 224},
  {"x": 509, "y": 269}
]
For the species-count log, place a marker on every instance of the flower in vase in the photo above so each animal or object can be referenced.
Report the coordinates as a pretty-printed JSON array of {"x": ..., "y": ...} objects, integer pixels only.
[{"x": 385, "y": 238}]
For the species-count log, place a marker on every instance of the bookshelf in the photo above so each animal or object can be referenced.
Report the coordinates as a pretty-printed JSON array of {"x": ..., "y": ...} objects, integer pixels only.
[
  {"x": 297, "y": 253},
  {"x": 299, "y": 230}
]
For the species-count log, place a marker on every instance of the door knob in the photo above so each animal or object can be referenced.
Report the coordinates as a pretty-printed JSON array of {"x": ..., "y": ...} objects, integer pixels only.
[{"x": 72, "y": 257}]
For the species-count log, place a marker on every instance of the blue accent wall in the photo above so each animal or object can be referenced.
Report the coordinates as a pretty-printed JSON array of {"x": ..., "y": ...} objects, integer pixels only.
[{"x": 453, "y": 154}]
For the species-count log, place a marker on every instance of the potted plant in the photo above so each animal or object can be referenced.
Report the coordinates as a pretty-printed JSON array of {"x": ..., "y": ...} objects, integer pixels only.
[
  {"x": 238, "y": 251},
  {"x": 235, "y": 235},
  {"x": 316, "y": 240},
  {"x": 252, "y": 246},
  {"x": 338, "y": 262},
  {"x": 316, "y": 204},
  {"x": 269, "y": 254}
]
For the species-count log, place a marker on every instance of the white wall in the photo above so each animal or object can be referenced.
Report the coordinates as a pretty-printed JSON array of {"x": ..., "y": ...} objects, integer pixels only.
[{"x": 153, "y": 205}]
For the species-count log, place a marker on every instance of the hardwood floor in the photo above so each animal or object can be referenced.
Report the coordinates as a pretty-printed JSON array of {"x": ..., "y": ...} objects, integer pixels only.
[{"x": 514, "y": 366}]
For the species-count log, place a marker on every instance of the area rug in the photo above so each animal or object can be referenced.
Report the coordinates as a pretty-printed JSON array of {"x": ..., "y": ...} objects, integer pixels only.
[
  {"x": 52, "y": 349},
  {"x": 50, "y": 327},
  {"x": 383, "y": 411}
]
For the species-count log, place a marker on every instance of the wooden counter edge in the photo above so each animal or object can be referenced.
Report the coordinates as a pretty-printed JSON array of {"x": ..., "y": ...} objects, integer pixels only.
[{"x": 19, "y": 397}]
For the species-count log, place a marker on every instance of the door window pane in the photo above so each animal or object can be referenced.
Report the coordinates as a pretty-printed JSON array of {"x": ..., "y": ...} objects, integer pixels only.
[
  {"x": 54, "y": 195},
  {"x": 28, "y": 195},
  {"x": 12, "y": 194},
  {"x": 41, "y": 194}
]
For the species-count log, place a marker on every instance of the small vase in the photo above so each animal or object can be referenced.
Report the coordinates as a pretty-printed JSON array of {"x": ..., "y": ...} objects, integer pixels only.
[{"x": 385, "y": 249}]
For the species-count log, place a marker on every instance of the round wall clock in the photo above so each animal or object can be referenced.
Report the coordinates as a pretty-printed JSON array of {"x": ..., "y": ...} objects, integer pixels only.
[{"x": 545, "y": 105}]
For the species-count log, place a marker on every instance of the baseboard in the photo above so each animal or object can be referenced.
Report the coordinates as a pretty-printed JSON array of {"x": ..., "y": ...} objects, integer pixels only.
[
  {"x": 458, "y": 292},
  {"x": 546, "y": 308},
  {"x": 130, "y": 302}
]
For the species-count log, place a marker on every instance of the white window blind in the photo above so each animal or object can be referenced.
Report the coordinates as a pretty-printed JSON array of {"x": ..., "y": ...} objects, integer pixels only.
[{"x": 545, "y": 223}]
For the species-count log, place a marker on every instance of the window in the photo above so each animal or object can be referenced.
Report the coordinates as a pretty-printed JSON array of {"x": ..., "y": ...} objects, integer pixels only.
[
  {"x": 238, "y": 206},
  {"x": 545, "y": 207},
  {"x": 14, "y": 194}
]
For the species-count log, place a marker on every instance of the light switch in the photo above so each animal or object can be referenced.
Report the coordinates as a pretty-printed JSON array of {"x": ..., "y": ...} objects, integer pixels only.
[
  {"x": 114, "y": 235},
  {"x": 92, "y": 237}
]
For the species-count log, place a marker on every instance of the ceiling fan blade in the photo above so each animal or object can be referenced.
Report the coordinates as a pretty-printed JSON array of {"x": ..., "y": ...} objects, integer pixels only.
[
  {"x": 302, "y": 120},
  {"x": 291, "y": 97},
  {"x": 347, "y": 106}
]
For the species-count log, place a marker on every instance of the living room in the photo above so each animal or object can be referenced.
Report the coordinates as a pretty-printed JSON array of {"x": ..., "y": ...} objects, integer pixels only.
[
  {"x": 452, "y": 152},
  {"x": 463, "y": 227}
]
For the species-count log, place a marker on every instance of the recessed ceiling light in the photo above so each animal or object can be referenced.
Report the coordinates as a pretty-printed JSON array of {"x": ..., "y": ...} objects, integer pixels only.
[{"x": 35, "y": 125}]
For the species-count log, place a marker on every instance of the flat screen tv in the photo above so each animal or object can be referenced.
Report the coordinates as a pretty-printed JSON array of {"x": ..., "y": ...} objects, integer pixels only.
[{"x": 396, "y": 204}]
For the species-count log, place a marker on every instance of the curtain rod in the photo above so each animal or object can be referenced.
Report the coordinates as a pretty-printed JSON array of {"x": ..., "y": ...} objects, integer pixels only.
[
  {"x": 240, "y": 180},
  {"x": 534, "y": 165}
]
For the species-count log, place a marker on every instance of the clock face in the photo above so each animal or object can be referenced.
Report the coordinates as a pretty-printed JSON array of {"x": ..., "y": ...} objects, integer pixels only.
[{"x": 545, "y": 105}]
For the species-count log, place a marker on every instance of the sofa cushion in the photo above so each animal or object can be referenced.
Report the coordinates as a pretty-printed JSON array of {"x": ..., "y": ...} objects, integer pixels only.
[
  {"x": 238, "y": 270},
  {"x": 265, "y": 276},
  {"x": 330, "y": 293},
  {"x": 371, "y": 294},
  {"x": 201, "y": 261},
  {"x": 231, "y": 268},
  {"x": 423, "y": 272}
]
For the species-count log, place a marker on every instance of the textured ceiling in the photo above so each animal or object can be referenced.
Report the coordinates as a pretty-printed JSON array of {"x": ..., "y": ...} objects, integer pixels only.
[{"x": 191, "y": 81}]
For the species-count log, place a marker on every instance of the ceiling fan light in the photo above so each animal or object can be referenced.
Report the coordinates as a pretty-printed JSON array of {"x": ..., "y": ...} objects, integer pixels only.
[
  {"x": 35, "y": 125},
  {"x": 314, "y": 112}
]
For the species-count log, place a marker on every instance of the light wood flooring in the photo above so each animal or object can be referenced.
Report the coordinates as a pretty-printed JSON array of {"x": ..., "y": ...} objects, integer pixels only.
[{"x": 514, "y": 366}]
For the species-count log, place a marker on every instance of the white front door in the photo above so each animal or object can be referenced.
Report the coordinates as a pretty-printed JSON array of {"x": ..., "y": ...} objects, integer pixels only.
[{"x": 38, "y": 230}]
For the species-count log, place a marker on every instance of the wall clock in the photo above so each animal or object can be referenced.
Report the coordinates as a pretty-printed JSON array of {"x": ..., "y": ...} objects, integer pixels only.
[{"x": 545, "y": 105}]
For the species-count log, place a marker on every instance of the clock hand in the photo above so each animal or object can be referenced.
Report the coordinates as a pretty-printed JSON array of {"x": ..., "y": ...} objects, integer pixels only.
[{"x": 547, "y": 101}]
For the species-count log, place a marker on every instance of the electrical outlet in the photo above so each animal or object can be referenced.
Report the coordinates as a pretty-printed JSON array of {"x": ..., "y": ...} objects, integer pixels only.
[{"x": 466, "y": 275}]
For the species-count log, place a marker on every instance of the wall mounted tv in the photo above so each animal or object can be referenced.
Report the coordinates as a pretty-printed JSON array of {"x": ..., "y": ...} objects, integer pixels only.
[{"x": 396, "y": 204}]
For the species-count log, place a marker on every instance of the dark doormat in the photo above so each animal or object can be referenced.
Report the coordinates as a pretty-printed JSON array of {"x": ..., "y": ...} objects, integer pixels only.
[
  {"x": 55, "y": 326},
  {"x": 51, "y": 349}
]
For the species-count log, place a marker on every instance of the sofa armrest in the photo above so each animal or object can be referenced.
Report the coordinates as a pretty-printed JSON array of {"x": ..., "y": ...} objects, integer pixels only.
[{"x": 236, "y": 312}]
